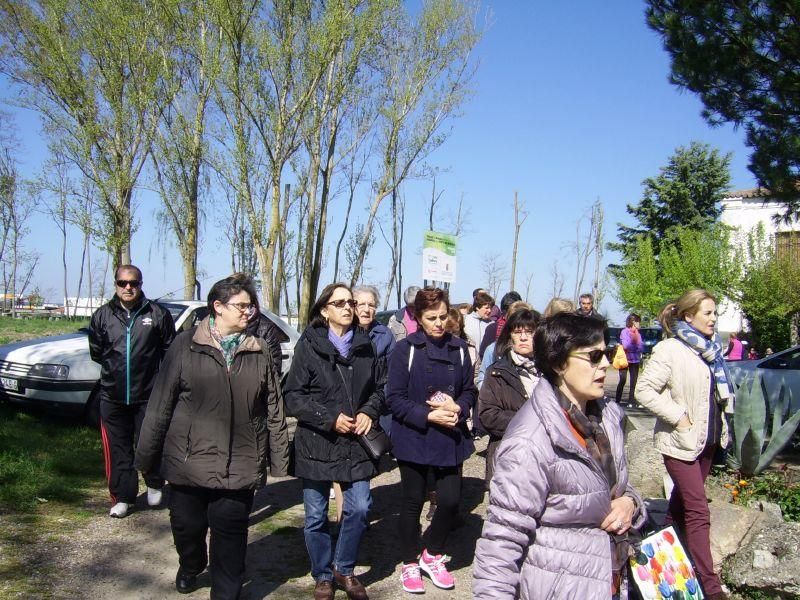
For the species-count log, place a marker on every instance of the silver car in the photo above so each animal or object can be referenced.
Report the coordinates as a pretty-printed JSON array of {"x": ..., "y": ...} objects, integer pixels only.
[
  {"x": 57, "y": 371},
  {"x": 776, "y": 371}
]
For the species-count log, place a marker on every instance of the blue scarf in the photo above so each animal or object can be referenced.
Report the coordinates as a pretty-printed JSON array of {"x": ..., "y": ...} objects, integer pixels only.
[
  {"x": 711, "y": 352},
  {"x": 342, "y": 344}
]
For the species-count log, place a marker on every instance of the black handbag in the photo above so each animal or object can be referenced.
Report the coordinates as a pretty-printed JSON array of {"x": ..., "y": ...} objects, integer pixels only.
[{"x": 375, "y": 442}]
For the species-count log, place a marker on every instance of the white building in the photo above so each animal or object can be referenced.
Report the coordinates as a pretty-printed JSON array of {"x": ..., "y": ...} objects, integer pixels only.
[
  {"x": 83, "y": 307},
  {"x": 745, "y": 210}
]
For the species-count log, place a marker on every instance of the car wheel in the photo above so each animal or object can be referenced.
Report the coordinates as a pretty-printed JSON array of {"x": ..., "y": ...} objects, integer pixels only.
[{"x": 92, "y": 412}]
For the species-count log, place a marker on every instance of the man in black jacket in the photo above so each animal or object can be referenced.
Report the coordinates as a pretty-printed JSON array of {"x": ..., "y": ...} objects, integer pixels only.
[{"x": 129, "y": 336}]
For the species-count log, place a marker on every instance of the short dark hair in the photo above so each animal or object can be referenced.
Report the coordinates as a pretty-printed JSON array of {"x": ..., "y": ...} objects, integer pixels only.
[
  {"x": 224, "y": 289},
  {"x": 315, "y": 316},
  {"x": 508, "y": 299},
  {"x": 429, "y": 297},
  {"x": 558, "y": 336},
  {"x": 475, "y": 292},
  {"x": 633, "y": 317},
  {"x": 587, "y": 295},
  {"x": 519, "y": 319},
  {"x": 482, "y": 299},
  {"x": 127, "y": 268}
]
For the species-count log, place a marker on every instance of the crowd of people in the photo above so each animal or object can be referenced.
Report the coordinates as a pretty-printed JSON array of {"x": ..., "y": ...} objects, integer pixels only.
[{"x": 206, "y": 411}]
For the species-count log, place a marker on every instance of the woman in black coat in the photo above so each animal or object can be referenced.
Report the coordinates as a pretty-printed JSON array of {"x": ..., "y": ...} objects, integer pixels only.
[
  {"x": 510, "y": 380},
  {"x": 332, "y": 390},
  {"x": 214, "y": 415}
]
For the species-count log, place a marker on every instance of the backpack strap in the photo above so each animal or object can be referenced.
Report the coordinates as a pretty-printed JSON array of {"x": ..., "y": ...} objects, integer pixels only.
[{"x": 410, "y": 357}]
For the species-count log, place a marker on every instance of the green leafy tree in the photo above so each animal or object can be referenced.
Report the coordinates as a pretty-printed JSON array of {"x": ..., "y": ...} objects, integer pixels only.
[
  {"x": 99, "y": 73},
  {"x": 769, "y": 291},
  {"x": 686, "y": 193},
  {"x": 743, "y": 61},
  {"x": 689, "y": 258}
]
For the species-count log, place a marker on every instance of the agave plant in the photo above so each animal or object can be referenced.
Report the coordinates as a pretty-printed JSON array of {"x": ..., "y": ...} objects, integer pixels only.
[{"x": 756, "y": 440}]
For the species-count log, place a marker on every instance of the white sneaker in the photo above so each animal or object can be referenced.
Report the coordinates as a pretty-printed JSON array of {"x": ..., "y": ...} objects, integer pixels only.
[
  {"x": 153, "y": 496},
  {"x": 119, "y": 510}
]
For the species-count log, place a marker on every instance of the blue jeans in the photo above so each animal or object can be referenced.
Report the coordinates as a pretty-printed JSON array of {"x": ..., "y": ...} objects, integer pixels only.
[{"x": 357, "y": 502}]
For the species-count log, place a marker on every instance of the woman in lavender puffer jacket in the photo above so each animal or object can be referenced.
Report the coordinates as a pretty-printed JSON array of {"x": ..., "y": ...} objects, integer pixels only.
[{"x": 560, "y": 505}]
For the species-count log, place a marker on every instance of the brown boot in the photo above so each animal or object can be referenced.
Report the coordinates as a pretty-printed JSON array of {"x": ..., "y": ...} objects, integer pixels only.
[
  {"x": 324, "y": 590},
  {"x": 351, "y": 585}
]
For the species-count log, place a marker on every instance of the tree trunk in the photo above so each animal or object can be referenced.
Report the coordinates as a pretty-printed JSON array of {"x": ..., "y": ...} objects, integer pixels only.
[{"x": 64, "y": 252}]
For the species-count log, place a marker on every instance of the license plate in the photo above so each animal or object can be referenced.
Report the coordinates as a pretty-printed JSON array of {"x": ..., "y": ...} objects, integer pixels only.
[{"x": 9, "y": 384}]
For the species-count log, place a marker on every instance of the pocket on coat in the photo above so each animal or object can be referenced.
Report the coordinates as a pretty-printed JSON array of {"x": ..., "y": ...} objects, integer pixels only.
[{"x": 685, "y": 439}]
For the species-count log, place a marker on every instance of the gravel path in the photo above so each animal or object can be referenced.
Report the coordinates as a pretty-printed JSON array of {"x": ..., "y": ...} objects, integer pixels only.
[{"x": 134, "y": 558}]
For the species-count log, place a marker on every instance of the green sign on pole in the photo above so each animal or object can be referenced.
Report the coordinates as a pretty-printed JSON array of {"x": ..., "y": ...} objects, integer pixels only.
[{"x": 439, "y": 257}]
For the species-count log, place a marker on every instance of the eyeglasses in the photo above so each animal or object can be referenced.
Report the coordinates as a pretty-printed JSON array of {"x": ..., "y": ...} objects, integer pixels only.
[
  {"x": 366, "y": 305},
  {"x": 133, "y": 283},
  {"x": 242, "y": 307},
  {"x": 342, "y": 303},
  {"x": 528, "y": 332},
  {"x": 595, "y": 357}
]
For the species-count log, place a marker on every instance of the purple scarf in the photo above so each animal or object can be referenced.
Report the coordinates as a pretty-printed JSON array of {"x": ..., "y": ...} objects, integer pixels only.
[{"x": 342, "y": 344}]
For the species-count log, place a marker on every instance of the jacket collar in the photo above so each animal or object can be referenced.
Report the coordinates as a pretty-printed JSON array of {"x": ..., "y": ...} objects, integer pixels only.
[
  {"x": 202, "y": 337},
  {"x": 435, "y": 351},
  {"x": 318, "y": 338},
  {"x": 116, "y": 304},
  {"x": 547, "y": 407}
]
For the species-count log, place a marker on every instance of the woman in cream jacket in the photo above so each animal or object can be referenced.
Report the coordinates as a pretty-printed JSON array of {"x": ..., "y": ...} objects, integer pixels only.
[{"x": 686, "y": 385}]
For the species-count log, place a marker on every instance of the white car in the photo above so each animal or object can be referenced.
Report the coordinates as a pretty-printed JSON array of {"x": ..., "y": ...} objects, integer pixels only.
[{"x": 57, "y": 371}]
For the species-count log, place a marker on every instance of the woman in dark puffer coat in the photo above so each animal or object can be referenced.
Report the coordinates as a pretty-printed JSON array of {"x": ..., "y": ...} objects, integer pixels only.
[
  {"x": 332, "y": 390},
  {"x": 510, "y": 380},
  {"x": 213, "y": 416}
]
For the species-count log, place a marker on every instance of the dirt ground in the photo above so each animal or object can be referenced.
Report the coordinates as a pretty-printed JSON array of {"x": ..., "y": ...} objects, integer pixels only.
[{"x": 134, "y": 558}]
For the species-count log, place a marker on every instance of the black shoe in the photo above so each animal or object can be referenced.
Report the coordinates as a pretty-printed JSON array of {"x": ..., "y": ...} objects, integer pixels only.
[{"x": 185, "y": 584}]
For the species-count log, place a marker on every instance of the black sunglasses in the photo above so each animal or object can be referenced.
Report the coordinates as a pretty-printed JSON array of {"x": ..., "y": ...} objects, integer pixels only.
[
  {"x": 341, "y": 303},
  {"x": 593, "y": 356},
  {"x": 123, "y": 283}
]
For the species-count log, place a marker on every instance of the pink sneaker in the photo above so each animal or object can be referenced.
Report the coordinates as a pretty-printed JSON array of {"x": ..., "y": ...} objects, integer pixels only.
[
  {"x": 412, "y": 579},
  {"x": 434, "y": 567}
]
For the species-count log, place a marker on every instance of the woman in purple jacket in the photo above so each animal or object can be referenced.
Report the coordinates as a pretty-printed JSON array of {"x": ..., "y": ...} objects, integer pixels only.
[
  {"x": 632, "y": 343},
  {"x": 430, "y": 393},
  {"x": 560, "y": 505}
]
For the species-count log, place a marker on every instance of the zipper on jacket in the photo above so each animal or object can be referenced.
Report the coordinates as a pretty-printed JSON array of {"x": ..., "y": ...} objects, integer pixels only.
[{"x": 128, "y": 330}]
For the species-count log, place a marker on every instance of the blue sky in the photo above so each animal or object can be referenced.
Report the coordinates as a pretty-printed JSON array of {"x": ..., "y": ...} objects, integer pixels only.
[{"x": 571, "y": 103}]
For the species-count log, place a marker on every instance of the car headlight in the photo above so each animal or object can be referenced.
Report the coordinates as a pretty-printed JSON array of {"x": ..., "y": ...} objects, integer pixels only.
[{"x": 49, "y": 371}]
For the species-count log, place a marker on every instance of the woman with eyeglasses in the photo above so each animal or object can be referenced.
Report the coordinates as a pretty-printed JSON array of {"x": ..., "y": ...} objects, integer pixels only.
[
  {"x": 687, "y": 386},
  {"x": 560, "y": 505},
  {"x": 332, "y": 389},
  {"x": 214, "y": 414},
  {"x": 430, "y": 393},
  {"x": 510, "y": 380}
]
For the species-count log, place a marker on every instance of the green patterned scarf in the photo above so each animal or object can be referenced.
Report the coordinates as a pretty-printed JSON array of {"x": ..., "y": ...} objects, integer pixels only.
[{"x": 228, "y": 343}]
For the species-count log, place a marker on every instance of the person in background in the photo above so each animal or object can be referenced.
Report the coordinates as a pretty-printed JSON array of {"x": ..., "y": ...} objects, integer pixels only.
[
  {"x": 333, "y": 390},
  {"x": 455, "y": 326},
  {"x": 260, "y": 325},
  {"x": 488, "y": 356},
  {"x": 631, "y": 341},
  {"x": 768, "y": 352},
  {"x": 402, "y": 323},
  {"x": 463, "y": 308},
  {"x": 128, "y": 337},
  {"x": 752, "y": 354},
  {"x": 586, "y": 308},
  {"x": 510, "y": 379},
  {"x": 476, "y": 322},
  {"x": 687, "y": 387},
  {"x": 560, "y": 504},
  {"x": 430, "y": 393},
  {"x": 494, "y": 330},
  {"x": 214, "y": 415},
  {"x": 735, "y": 350},
  {"x": 557, "y": 305}
]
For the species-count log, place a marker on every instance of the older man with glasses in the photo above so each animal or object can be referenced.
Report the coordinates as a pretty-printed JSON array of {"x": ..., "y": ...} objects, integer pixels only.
[{"x": 129, "y": 336}]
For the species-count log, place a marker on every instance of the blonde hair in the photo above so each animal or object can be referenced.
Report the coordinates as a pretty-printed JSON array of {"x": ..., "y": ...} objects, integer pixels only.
[
  {"x": 558, "y": 305},
  {"x": 518, "y": 305},
  {"x": 686, "y": 305}
]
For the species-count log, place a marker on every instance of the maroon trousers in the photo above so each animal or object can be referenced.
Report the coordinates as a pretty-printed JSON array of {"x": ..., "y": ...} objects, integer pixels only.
[{"x": 688, "y": 509}]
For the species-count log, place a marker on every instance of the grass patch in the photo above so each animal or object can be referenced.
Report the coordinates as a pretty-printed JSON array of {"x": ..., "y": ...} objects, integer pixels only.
[
  {"x": 15, "y": 330},
  {"x": 50, "y": 469}
]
